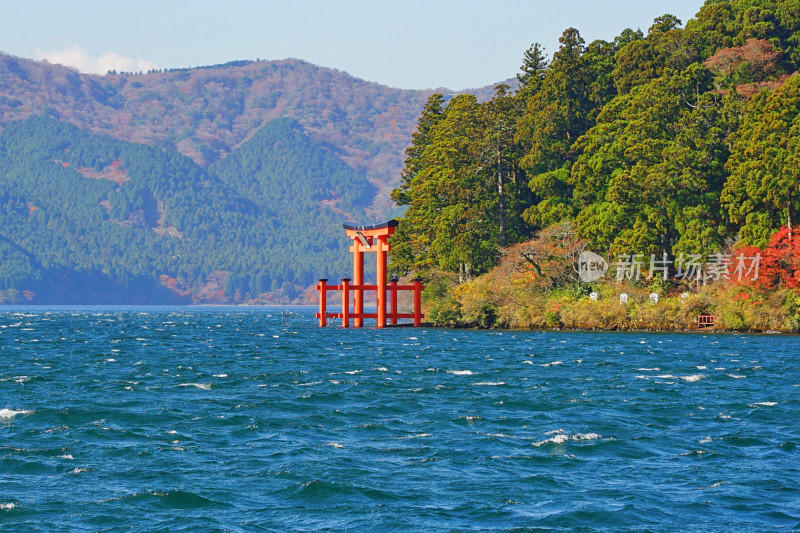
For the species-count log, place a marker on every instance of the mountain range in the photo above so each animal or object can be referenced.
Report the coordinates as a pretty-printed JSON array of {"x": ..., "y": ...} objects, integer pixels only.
[{"x": 216, "y": 184}]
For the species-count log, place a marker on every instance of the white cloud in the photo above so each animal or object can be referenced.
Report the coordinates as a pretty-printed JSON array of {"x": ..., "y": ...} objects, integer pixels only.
[{"x": 77, "y": 57}]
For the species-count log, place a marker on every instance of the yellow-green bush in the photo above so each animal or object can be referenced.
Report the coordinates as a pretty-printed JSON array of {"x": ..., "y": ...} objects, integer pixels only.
[
  {"x": 605, "y": 313},
  {"x": 500, "y": 300},
  {"x": 477, "y": 301}
]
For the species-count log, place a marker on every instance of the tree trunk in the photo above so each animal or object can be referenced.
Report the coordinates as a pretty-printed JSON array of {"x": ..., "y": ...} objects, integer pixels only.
[
  {"x": 501, "y": 194},
  {"x": 666, "y": 243}
]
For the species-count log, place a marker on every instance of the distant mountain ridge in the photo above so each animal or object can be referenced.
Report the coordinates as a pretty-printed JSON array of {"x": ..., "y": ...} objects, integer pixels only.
[
  {"x": 210, "y": 185},
  {"x": 206, "y": 112}
]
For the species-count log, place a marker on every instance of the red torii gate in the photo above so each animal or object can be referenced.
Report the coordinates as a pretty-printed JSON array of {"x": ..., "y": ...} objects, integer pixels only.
[{"x": 369, "y": 239}]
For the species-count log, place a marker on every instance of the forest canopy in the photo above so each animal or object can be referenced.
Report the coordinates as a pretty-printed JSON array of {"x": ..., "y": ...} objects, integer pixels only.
[
  {"x": 88, "y": 219},
  {"x": 677, "y": 140}
]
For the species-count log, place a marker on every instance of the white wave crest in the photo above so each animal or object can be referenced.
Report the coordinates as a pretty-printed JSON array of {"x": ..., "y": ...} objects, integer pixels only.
[
  {"x": 204, "y": 386},
  {"x": 417, "y": 436},
  {"x": 693, "y": 378},
  {"x": 7, "y": 506},
  {"x": 561, "y": 438},
  {"x": 766, "y": 404},
  {"x": 461, "y": 372},
  {"x": 11, "y": 413},
  {"x": 491, "y": 383}
]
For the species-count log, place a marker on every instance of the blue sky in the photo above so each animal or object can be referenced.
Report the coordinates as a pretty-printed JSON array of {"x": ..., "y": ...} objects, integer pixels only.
[{"x": 411, "y": 44}]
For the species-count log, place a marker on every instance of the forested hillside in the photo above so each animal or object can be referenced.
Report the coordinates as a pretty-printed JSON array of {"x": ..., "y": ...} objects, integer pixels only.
[
  {"x": 88, "y": 219},
  {"x": 681, "y": 142},
  {"x": 219, "y": 184},
  {"x": 205, "y": 113},
  {"x": 673, "y": 141}
]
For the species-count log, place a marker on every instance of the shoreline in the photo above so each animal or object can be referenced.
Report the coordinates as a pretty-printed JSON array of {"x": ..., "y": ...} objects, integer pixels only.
[
  {"x": 719, "y": 331},
  {"x": 425, "y": 325}
]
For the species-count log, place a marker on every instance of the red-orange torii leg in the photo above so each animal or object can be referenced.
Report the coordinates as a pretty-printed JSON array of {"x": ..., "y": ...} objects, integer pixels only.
[
  {"x": 417, "y": 302},
  {"x": 323, "y": 302},
  {"x": 346, "y": 302},
  {"x": 381, "y": 272},
  {"x": 358, "y": 279},
  {"x": 393, "y": 301}
]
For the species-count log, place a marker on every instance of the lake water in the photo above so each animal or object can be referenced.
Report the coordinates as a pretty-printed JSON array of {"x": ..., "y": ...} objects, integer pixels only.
[{"x": 222, "y": 419}]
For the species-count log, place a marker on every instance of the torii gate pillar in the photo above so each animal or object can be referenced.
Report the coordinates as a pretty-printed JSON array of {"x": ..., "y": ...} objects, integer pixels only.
[
  {"x": 366, "y": 239},
  {"x": 370, "y": 239}
]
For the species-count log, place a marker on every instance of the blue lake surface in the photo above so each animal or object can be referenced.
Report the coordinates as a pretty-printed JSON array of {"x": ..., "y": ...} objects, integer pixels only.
[{"x": 222, "y": 419}]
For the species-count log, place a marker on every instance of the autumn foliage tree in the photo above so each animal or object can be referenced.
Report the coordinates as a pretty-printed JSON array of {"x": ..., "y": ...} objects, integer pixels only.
[
  {"x": 755, "y": 60},
  {"x": 548, "y": 259},
  {"x": 780, "y": 261}
]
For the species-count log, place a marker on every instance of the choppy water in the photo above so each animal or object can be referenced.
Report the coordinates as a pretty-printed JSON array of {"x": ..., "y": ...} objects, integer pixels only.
[{"x": 223, "y": 420}]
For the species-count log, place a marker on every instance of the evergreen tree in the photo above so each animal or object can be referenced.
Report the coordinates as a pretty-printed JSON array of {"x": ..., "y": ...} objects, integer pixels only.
[
  {"x": 533, "y": 69},
  {"x": 554, "y": 118},
  {"x": 763, "y": 190}
]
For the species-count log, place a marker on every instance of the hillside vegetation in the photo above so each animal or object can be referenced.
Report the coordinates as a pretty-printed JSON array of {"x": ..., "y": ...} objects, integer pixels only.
[
  {"x": 677, "y": 144},
  {"x": 205, "y": 113},
  {"x": 220, "y": 184},
  {"x": 88, "y": 219}
]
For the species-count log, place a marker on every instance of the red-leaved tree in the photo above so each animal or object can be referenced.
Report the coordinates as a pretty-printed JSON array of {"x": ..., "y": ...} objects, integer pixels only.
[{"x": 780, "y": 261}]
